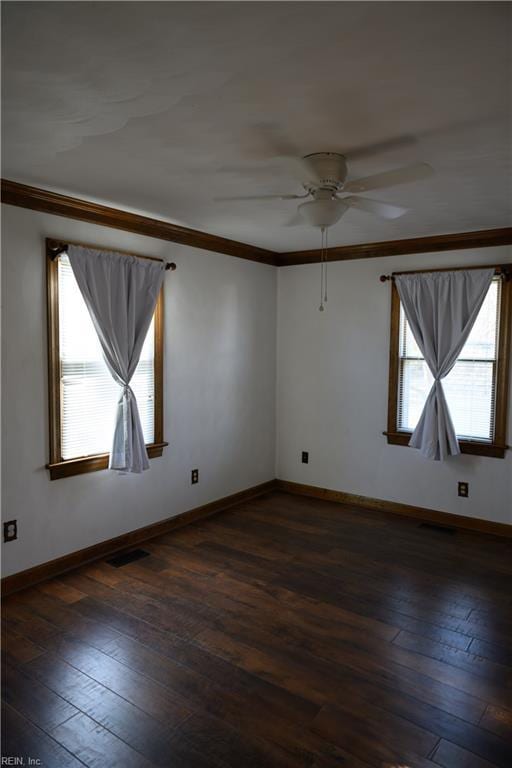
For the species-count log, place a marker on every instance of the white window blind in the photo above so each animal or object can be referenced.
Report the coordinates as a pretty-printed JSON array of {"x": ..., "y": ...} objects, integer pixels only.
[
  {"x": 470, "y": 385},
  {"x": 88, "y": 393}
]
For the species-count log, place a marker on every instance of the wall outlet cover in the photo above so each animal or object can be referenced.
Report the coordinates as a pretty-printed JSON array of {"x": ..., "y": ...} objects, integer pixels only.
[
  {"x": 305, "y": 457},
  {"x": 194, "y": 476},
  {"x": 10, "y": 530}
]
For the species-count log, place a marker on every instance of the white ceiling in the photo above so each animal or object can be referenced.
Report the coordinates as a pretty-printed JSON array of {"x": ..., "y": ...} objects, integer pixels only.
[{"x": 161, "y": 107}]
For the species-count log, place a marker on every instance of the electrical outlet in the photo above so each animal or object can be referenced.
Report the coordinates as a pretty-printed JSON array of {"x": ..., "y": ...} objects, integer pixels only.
[
  {"x": 194, "y": 476},
  {"x": 305, "y": 457},
  {"x": 11, "y": 530},
  {"x": 463, "y": 490}
]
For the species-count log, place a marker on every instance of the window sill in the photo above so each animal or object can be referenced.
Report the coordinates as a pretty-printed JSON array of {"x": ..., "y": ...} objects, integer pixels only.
[
  {"x": 473, "y": 447},
  {"x": 93, "y": 463}
]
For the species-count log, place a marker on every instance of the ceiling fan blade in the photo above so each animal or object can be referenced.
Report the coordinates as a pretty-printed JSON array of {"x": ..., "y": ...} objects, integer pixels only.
[
  {"x": 390, "y": 178},
  {"x": 384, "y": 210},
  {"x": 259, "y": 197},
  {"x": 304, "y": 169},
  {"x": 273, "y": 141},
  {"x": 377, "y": 147},
  {"x": 270, "y": 141},
  {"x": 295, "y": 221}
]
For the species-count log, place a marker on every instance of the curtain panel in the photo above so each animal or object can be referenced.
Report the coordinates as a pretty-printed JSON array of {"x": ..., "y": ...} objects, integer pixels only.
[
  {"x": 441, "y": 308},
  {"x": 120, "y": 292}
]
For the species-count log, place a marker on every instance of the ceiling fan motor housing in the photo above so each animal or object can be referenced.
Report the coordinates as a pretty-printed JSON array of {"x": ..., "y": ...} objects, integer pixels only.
[
  {"x": 322, "y": 212},
  {"x": 330, "y": 168}
]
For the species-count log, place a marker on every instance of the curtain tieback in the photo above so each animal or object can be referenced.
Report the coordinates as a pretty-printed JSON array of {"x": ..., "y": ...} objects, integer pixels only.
[{"x": 127, "y": 391}]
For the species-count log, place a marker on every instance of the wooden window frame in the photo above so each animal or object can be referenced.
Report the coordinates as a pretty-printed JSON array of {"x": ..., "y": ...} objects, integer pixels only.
[
  {"x": 57, "y": 466},
  {"x": 498, "y": 447}
]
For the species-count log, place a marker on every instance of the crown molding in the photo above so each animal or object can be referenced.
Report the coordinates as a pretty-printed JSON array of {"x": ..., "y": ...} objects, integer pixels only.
[
  {"x": 25, "y": 196},
  {"x": 483, "y": 238},
  {"x": 37, "y": 199}
]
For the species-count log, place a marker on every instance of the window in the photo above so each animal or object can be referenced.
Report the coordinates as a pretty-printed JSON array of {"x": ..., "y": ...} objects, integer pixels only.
[
  {"x": 475, "y": 388},
  {"x": 83, "y": 394}
]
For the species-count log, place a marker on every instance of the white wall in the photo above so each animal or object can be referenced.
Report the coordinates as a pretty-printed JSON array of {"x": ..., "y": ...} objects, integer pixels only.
[
  {"x": 333, "y": 385},
  {"x": 219, "y": 391}
]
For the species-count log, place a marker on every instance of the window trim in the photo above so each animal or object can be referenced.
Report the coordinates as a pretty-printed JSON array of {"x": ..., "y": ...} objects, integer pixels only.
[
  {"x": 57, "y": 466},
  {"x": 498, "y": 447}
]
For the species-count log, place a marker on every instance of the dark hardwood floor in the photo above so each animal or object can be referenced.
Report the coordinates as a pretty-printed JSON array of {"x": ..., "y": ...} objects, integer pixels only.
[{"x": 286, "y": 632}]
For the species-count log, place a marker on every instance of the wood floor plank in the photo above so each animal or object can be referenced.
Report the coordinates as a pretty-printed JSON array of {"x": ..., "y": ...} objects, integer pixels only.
[
  {"x": 144, "y": 734},
  {"x": 127, "y": 683},
  {"x": 204, "y": 694},
  {"x": 499, "y": 653},
  {"x": 303, "y": 549},
  {"x": 286, "y": 632},
  {"x": 378, "y": 737},
  {"x": 225, "y": 673},
  {"x": 450, "y": 755},
  {"x": 23, "y": 740},
  {"x": 408, "y": 574},
  {"x": 499, "y": 674},
  {"x": 372, "y": 661},
  {"x": 386, "y": 626},
  {"x": 60, "y": 616},
  {"x": 166, "y": 614},
  {"x": 18, "y": 647},
  {"x": 354, "y": 612},
  {"x": 480, "y": 580},
  {"x": 379, "y": 610},
  {"x": 96, "y": 747},
  {"x": 171, "y": 646},
  {"x": 39, "y": 704},
  {"x": 499, "y": 721},
  {"x": 214, "y": 737},
  {"x": 228, "y": 596},
  {"x": 154, "y": 740},
  {"x": 64, "y": 592},
  {"x": 188, "y": 560},
  {"x": 361, "y": 691}
]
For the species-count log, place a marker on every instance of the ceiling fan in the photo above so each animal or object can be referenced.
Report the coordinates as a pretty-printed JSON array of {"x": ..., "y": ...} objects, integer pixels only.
[{"x": 324, "y": 178}]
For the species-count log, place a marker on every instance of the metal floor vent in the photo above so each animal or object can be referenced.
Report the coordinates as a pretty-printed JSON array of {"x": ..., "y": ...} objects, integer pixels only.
[
  {"x": 127, "y": 557},
  {"x": 438, "y": 528}
]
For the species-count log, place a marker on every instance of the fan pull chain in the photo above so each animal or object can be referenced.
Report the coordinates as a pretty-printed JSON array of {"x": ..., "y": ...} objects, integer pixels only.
[
  {"x": 323, "y": 270},
  {"x": 325, "y": 266},
  {"x": 321, "y": 307}
]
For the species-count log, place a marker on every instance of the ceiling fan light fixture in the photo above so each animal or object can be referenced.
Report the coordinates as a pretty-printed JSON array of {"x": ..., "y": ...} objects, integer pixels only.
[{"x": 322, "y": 213}]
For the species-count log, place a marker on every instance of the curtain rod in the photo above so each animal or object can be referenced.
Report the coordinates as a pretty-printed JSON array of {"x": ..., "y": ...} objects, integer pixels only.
[
  {"x": 57, "y": 248},
  {"x": 505, "y": 270}
]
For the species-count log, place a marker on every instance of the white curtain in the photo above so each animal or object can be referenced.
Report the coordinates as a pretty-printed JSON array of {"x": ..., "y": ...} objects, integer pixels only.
[
  {"x": 120, "y": 293},
  {"x": 441, "y": 308}
]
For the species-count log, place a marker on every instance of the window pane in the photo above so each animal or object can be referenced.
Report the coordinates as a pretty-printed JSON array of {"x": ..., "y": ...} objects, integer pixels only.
[
  {"x": 89, "y": 394},
  {"x": 482, "y": 341},
  {"x": 469, "y": 387},
  {"x": 469, "y": 390},
  {"x": 408, "y": 346},
  {"x": 415, "y": 384}
]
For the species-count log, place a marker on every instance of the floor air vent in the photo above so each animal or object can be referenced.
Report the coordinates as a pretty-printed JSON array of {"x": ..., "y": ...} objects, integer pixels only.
[
  {"x": 127, "y": 557},
  {"x": 438, "y": 528}
]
